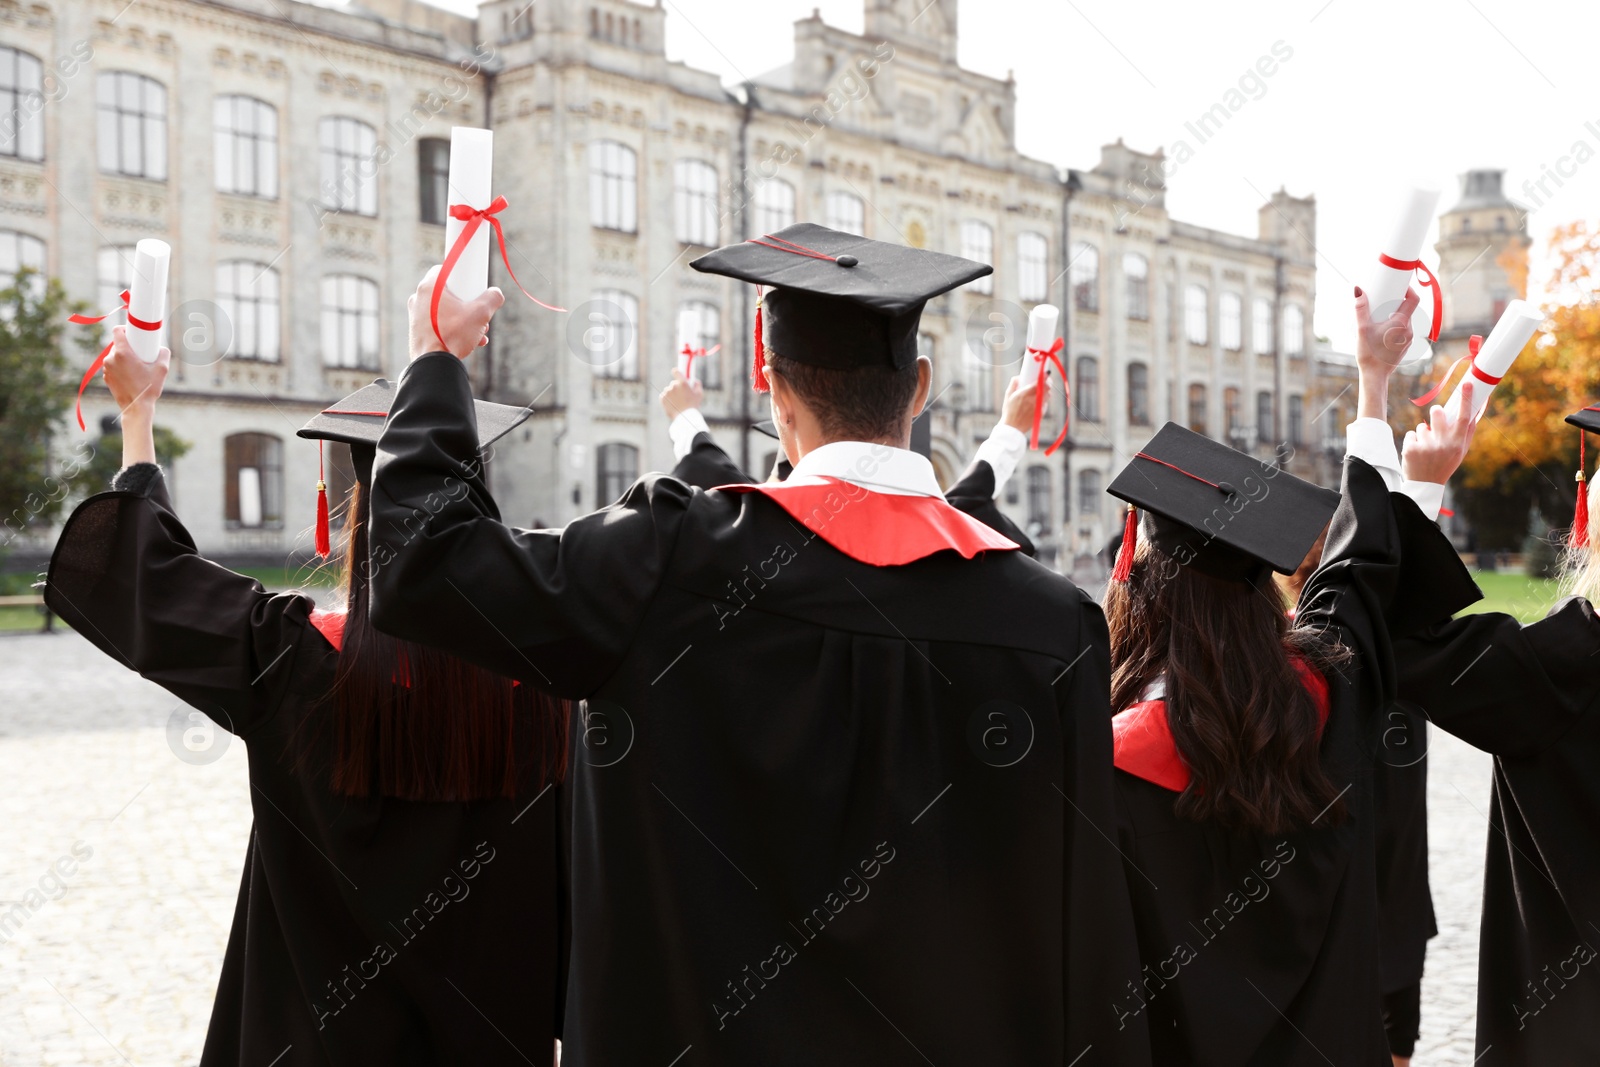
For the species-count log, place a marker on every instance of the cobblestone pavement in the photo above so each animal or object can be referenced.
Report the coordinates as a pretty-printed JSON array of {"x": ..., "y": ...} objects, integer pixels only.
[{"x": 135, "y": 856}]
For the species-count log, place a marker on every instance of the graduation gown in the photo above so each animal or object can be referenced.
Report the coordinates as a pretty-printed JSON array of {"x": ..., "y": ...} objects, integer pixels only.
[
  {"x": 367, "y": 930},
  {"x": 823, "y": 811},
  {"x": 1529, "y": 695},
  {"x": 1263, "y": 949}
]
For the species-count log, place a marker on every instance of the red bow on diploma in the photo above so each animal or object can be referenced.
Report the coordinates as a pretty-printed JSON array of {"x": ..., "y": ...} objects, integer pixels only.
[
  {"x": 99, "y": 361},
  {"x": 1046, "y": 357},
  {"x": 1471, "y": 359},
  {"x": 694, "y": 354},
  {"x": 475, "y": 217},
  {"x": 1428, "y": 280}
]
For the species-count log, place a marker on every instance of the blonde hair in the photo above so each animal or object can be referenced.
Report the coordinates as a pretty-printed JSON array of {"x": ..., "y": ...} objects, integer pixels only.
[{"x": 1580, "y": 567}]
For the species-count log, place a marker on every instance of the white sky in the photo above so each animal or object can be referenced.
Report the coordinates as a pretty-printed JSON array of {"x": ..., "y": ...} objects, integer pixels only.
[{"x": 1378, "y": 94}]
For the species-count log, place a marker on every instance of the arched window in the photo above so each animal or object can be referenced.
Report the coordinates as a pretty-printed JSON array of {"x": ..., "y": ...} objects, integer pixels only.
[
  {"x": 1136, "y": 271},
  {"x": 1297, "y": 420},
  {"x": 1266, "y": 429},
  {"x": 613, "y": 186},
  {"x": 19, "y": 250},
  {"x": 614, "y": 319},
  {"x": 1138, "y": 394},
  {"x": 433, "y": 179},
  {"x": 244, "y": 146},
  {"x": 1089, "y": 495},
  {"x": 1197, "y": 408},
  {"x": 1230, "y": 321},
  {"x": 247, "y": 293},
  {"x": 21, "y": 101},
  {"x": 617, "y": 467},
  {"x": 977, "y": 242},
  {"x": 1039, "y": 504},
  {"x": 1261, "y": 326},
  {"x": 700, "y": 326},
  {"x": 253, "y": 487},
  {"x": 774, "y": 205},
  {"x": 846, "y": 212},
  {"x": 1231, "y": 415},
  {"x": 131, "y": 126},
  {"x": 1086, "y": 397},
  {"x": 350, "y": 321},
  {"x": 1196, "y": 314},
  {"x": 695, "y": 202},
  {"x": 347, "y": 151},
  {"x": 1033, "y": 267},
  {"x": 1294, "y": 331},
  {"x": 1085, "y": 274}
]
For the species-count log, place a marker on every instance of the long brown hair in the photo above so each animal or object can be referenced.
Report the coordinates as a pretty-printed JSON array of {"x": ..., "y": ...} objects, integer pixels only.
[
  {"x": 415, "y": 723},
  {"x": 1244, "y": 723}
]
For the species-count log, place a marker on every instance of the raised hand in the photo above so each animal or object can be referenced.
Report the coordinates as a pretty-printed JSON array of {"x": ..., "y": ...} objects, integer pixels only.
[
  {"x": 1016, "y": 410},
  {"x": 1433, "y": 451},
  {"x": 1380, "y": 346},
  {"x": 681, "y": 394},
  {"x": 463, "y": 324}
]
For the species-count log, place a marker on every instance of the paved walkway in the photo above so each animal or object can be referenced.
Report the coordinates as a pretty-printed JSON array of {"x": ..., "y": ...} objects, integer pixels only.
[{"x": 119, "y": 868}]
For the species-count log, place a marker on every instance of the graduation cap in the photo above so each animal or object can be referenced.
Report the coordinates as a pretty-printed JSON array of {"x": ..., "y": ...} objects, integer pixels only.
[
  {"x": 1216, "y": 509},
  {"x": 358, "y": 421},
  {"x": 1587, "y": 420},
  {"x": 837, "y": 300}
]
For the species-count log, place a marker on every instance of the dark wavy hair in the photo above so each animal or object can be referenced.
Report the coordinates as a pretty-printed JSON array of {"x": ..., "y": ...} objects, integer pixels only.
[
  {"x": 1244, "y": 723},
  {"x": 411, "y": 722}
]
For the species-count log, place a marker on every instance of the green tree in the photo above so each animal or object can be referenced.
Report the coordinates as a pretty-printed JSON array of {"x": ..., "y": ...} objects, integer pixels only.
[{"x": 94, "y": 475}]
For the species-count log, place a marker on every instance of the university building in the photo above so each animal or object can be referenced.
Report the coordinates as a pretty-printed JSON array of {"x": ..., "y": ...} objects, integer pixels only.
[{"x": 295, "y": 155}]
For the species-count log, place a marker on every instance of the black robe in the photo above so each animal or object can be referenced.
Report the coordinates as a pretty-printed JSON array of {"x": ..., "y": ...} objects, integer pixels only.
[
  {"x": 1530, "y": 695},
  {"x": 1263, "y": 950},
  {"x": 367, "y": 931},
  {"x": 824, "y": 812}
]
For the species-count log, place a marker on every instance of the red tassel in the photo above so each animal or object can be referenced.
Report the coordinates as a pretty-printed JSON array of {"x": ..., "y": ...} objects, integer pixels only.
[
  {"x": 1580, "y": 516},
  {"x": 758, "y": 370},
  {"x": 1130, "y": 542},
  {"x": 323, "y": 545}
]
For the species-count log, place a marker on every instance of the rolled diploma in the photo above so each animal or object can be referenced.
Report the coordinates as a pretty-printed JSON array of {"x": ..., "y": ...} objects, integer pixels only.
[
  {"x": 1504, "y": 343},
  {"x": 1386, "y": 286},
  {"x": 249, "y": 496},
  {"x": 471, "y": 178},
  {"x": 1041, "y": 335},
  {"x": 684, "y": 360},
  {"x": 147, "y": 296}
]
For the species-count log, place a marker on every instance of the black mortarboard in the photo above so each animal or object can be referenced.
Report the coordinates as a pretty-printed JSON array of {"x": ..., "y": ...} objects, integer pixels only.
[
  {"x": 1218, "y": 510},
  {"x": 836, "y": 299},
  {"x": 358, "y": 421},
  {"x": 1588, "y": 420}
]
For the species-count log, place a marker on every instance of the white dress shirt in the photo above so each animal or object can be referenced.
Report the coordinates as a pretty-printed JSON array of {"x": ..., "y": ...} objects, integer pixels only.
[
  {"x": 683, "y": 428},
  {"x": 1372, "y": 440}
]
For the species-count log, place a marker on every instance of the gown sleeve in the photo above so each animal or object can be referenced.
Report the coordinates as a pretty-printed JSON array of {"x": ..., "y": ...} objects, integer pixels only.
[
  {"x": 555, "y": 608},
  {"x": 707, "y": 466},
  {"x": 125, "y": 574},
  {"x": 1508, "y": 689},
  {"x": 974, "y": 494}
]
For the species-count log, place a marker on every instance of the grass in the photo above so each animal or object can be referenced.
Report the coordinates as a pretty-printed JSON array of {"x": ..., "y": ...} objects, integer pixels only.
[
  {"x": 309, "y": 576},
  {"x": 1514, "y": 594}
]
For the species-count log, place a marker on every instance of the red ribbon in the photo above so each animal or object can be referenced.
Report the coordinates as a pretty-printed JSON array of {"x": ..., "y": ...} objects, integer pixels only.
[
  {"x": 1045, "y": 357},
  {"x": 786, "y": 245},
  {"x": 99, "y": 361},
  {"x": 694, "y": 354},
  {"x": 1428, "y": 280},
  {"x": 474, "y": 217},
  {"x": 1473, "y": 344},
  {"x": 1180, "y": 470}
]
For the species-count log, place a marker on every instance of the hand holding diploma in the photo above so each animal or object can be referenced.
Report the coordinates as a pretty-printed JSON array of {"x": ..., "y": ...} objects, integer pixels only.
[
  {"x": 1399, "y": 262},
  {"x": 681, "y": 394},
  {"x": 1433, "y": 451},
  {"x": 443, "y": 322},
  {"x": 145, "y": 305},
  {"x": 135, "y": 385},
  {"x": 1044, "y": 349}
]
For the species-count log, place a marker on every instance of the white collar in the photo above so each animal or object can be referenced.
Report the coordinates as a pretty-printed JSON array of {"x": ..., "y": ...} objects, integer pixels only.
[{"x": 878, "y": 467}]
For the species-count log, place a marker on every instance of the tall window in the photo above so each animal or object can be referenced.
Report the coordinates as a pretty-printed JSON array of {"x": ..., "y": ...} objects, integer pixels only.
[
  {"x": 1089, "y": 492},
  {"x": 433, "y": 179},
  {"x": 1230, "y": 321},
  {"x": 1197, "y": 408},
  {"x": 846, "y": 212},
  {"x": 131, "y": 127},
  {"x": 1294, "y": 331},
  {"x": 248, "y": 294},
  {"x": 615, "y": 322},
  {"x": 980, "y": 375},
  {"x": 349, "y": 321},
  {"x": 1085, "y": 275},
  {"x": 21, "y": 101},
  {"x": 1261, "y": 326},
  {"x": 253, "y": 493},
  {"x": 1265, "y": 417},
  {"x": 1086, "y": 397},
  {"x": 1138, "y": 394},
  {"x": 18, "y": 250},
  {"x": 1039, "y": 496},
  {"x": 1196, "y": 314},
  {"x": 695, "y": 202},
  {"x": 1231, "y": 414},
  {"x": 774, "y": 205},
  {"x": 244, "y": 146},
  {"x": 977, "y": 242},
  {"x": 617, "y": 467},
  {"x": 700, "y": 326},
  {"x": 1033, "y": 267},
  {"x": 349, "y": 166},
  {"x": 1136, "y": 271},
  {"x": 1297, "y": 420},
  {"x": 613, "y": 186}
]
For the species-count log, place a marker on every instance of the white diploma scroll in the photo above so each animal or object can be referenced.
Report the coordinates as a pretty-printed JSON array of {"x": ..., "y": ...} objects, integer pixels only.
[
  {"x": 1041, "y": 335},
  {"x": 686, "y": 359},
  {"x": 1386, "y": 286},
  {"x": 471, "y": 181},
  {"x": 147, "y": 296},
  {"x": 1505, "y": 342}
]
